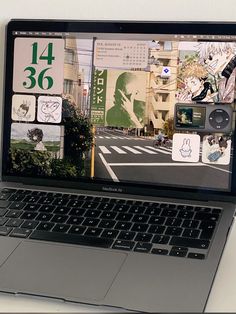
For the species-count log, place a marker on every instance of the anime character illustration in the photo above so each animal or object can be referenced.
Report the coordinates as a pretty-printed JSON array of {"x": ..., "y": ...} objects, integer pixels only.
[
  {"x": 219, "y": 59},
  {"x": 23, "y": 108},
  {"x": 49, "y": 109},
  {"x": 36, "y": 136},
  {"x": 129, "y": 101},
  {"x": 216, "y": 149},
  {"x": 196, "y": 86}
]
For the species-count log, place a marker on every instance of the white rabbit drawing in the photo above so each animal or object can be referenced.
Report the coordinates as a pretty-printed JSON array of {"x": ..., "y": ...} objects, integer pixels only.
[{"x": 186, "y": 150}]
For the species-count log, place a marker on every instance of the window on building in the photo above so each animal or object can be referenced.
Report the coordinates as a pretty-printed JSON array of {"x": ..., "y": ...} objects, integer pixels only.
[
  {"x": 164, "y": 62},
  {"x": 167, "y": 45},
  {"x": 69, "y": 56},
  {"x": 68, "y": 86},
  {"x": 165, "y": 97},
  {"x": 164, "y": 115}
]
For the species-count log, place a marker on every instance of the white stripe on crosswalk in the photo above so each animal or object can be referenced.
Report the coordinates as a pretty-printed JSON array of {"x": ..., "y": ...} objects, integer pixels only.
[
  {"x": 146, "y": 150},
  {"x": 104, "y": 150},
  {"x": 132, "y": 150},
  {"x": 118, "y": 150},
  {"x": 159, "y": 150},
  {"x": 107, "y": 137},
  {"x": 100, "y": 136}
]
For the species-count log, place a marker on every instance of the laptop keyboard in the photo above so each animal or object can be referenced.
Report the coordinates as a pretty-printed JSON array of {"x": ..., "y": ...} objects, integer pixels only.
[{"x": 120, "y": 224}]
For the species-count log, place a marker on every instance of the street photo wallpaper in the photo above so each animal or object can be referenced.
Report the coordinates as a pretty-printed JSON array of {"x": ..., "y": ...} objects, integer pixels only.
[{"x": 145, "y": 111}]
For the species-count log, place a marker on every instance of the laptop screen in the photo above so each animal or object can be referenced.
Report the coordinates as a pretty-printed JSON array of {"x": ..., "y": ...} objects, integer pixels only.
[{"x": 145, "y": 107}]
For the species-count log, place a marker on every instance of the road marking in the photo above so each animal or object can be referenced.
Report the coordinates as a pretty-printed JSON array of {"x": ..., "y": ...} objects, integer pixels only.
[
  {"x": 146, "y": 150},
  {"x": 100, "y": 136},
  {"x": 114, "y": 137},
  {"x": 118, "y": 150},
  {"x": 107, "y": 137},
  {"x": 104, "y": 150},
  {"x": 109, "y": 170},
  {"x": 153, "y": 164},
  {"x": 132, "y": 150},
  {"x": 159, "y": 150}
]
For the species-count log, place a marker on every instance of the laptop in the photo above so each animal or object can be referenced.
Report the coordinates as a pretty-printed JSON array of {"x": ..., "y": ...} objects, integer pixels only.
[{"x": 118, "y": 162}]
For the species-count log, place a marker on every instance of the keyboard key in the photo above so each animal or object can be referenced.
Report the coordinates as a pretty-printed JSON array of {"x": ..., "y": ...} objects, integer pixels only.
[
  {"x": 20, "y": 233},
  {"x": 143, "y": 237},
  {"x": 29, "y": 215},
  {"x": 77, "y": 229},
  {"x": 178, "y": 251},
  {"x": 174, "y": 231},
  {"x": 106, "y": 206},
  {"x": 191, "y": 233},
  {"x": 185, "y": 214},
  {"x": 187, "y": 223},
  {"x": 4, "y": 204},
  {"x": 109, "y": 233},
  {"x": 44, "y": 217},
  {"x": 62, "y": 210},
  {"x": 14, "y": 222},
  {"x": 140, "y": 218},
  {"x": 173, "y": 222},
  {"x": 159, "y": 251},
  {"x": 91, "y": 222},
  {"x": 169, "y": 213},
  {"x": 108, "y": 215},
  {"x": 29, "y": 224},
  {"x": 3, "y": 212},
  {"x": 206, "y": 216},
  {"x": 188, "y": 242},
  {"x": 60, "y": 201},
  {"x": 47, "y": 208},
  {"x": 71, "y": 238},
  {"x": 32, "y": 207},
  {"x": 153, "y": 211},
  {"x": 94, "y": 232},
  {"x": 5, "y": 230},
  {"x": 14, "y": 213},
  {"x": 157, "y": 220},
  {"x": 77, "y": 211},
  {"x": 75, "y": 203},
  {"x": 73, "y": 220},
  {"x": 143, "y": 247},
  {"x": 123, "y": 245},
  {"x": 3, "y": 220},
  {"x": 17, "y": 205},
  {"x": 160, "y": 239},
  {"x": 196, "y": 255},
  {"x": 90, "y": 205},
  {"x": 107, "y": 224},
  {"x": 59, "y": 218},
  {"x": 123, "y": 225},
  {"x": 126, "y": 235},
  {"x": 139, "y": 227},
  {"x": 45, "y": 226},
  {"x": 156, "y": 229},
  {"x": 122, "y": 208},
  {"x": 92, "y": 213},
  {"x": 124, "y": 217},
  {"x": 61, "y": 228},
  {"x": 134, "y": 209}
]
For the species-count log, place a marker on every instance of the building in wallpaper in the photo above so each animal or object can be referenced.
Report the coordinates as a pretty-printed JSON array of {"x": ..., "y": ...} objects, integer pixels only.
[
  {"x": 72, "y": 76},
  {"x": 162, "y": 87}
]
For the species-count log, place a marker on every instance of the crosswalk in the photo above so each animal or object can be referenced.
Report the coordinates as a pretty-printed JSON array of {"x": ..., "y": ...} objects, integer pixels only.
[
  {"x": 136, "y": 150},
  {"x": 118, "y": 137}
]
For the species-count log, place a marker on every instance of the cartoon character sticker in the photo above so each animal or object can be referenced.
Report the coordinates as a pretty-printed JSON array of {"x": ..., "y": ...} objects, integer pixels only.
[
  {"x": 23, "y": 108},
  {"x": 186, "y": 147},
  {"x": 49, "y": 109},
  {"x": 216, "y": 150}
]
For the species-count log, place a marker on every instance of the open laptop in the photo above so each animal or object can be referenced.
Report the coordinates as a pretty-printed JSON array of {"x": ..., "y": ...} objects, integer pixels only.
[{"x": 118, "y": 161}]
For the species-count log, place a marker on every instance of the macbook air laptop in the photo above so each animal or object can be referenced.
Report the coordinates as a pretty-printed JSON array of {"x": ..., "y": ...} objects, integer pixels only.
[{"x": 118, "y": 161}]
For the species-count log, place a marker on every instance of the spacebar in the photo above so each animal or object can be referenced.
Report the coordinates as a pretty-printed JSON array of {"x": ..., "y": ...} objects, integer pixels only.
[{"x": 71, "y": 238}]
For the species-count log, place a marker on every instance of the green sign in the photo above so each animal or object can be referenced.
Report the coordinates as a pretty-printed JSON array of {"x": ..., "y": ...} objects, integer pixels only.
[{"x": 98, "y": 101}]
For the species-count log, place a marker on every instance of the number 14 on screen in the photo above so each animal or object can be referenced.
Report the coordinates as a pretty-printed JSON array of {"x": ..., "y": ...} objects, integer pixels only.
[{"x": 38, "y": 65}]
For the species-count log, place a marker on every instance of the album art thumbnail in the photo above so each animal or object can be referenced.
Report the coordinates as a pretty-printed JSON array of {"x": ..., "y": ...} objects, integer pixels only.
[{"x": 23, "y": 108}]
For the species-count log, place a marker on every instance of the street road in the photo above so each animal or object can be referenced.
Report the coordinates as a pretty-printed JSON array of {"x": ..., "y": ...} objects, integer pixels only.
[{"x": 121, "y": 157}]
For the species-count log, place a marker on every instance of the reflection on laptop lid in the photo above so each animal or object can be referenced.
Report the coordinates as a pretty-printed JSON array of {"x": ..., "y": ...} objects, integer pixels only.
[{"x": 140, "y": 109}]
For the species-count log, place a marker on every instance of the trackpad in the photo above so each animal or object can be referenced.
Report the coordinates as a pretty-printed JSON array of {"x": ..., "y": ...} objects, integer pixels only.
[{"x": 66, "y": 272}]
